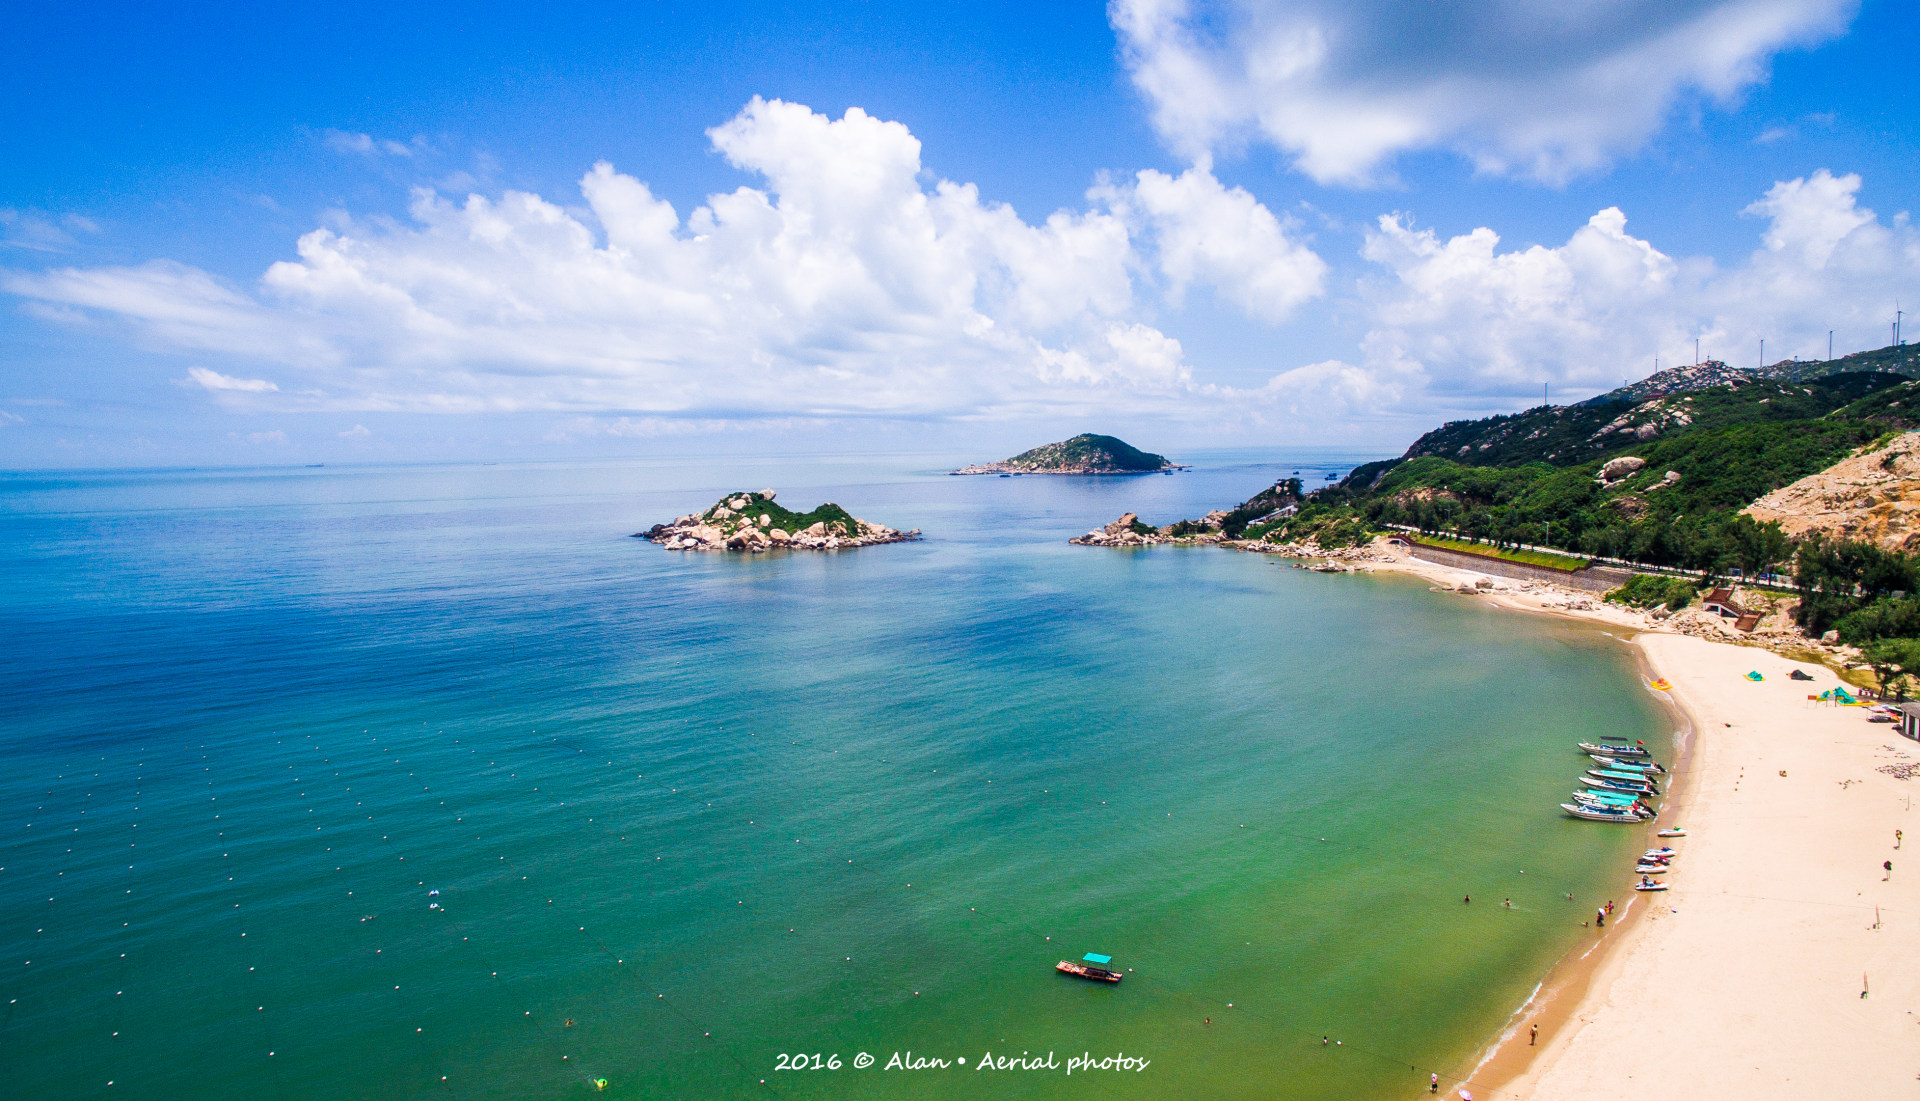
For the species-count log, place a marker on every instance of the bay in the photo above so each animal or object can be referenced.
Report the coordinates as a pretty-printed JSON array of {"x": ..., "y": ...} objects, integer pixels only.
[{"x": 687, "y": 814}]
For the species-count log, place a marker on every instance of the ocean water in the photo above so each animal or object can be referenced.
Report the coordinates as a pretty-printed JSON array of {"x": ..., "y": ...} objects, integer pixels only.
[{"x": 430, "y": 782}]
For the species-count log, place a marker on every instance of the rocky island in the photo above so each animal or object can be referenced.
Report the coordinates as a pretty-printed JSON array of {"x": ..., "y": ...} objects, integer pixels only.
[
  {"x": 1262, "y": 512},
  {"x": 1083, "y": 454},
  {"x": 751, "y": 523}
]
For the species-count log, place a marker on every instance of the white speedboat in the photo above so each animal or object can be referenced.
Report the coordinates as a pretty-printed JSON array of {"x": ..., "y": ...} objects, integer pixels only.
[
  {"x": 1618, "y": 748},
  {"x": 1636, "y": 787},
  {"x": 1619, "y": 781},
  {"x": 1627, "y": 766},
  {"x": 1597, "y": 814}
]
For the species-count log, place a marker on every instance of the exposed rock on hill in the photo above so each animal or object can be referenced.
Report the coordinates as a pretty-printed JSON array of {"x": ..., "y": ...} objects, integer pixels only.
[
  {"x": 1083, "y": 454},
  {"x": 1678, "y": 380},
  {"x": 751, "y": 523},
  {"x": 1873, "y": 496}
]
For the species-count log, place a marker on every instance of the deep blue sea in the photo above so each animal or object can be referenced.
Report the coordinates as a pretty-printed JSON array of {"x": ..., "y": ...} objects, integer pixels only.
[{"x": 428, "y": 781}]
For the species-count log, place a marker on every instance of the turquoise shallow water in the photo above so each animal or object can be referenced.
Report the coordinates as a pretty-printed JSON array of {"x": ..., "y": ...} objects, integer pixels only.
[{"x": 688, "y": 813}]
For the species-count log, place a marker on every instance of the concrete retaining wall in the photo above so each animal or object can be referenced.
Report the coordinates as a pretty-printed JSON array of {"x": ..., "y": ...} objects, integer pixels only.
[{"x": 1594, "y": 579}]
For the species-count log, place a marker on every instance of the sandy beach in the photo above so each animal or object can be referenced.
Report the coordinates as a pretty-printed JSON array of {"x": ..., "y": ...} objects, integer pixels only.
[{"x": 1779, "y": 964}]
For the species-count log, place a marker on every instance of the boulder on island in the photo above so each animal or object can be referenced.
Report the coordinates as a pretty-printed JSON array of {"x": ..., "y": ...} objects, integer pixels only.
[{"x": 750, "y": 523}]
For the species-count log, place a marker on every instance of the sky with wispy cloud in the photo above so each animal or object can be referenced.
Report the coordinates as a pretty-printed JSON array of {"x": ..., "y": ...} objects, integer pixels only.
[{"x": 228, "y": 236}]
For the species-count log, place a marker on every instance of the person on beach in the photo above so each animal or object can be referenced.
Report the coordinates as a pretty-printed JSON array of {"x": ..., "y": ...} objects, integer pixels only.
[
  {"x": 1609, "y": 907},
  {"x": 1888, "y": 865},
  {"x": 1600, "y": 918},
  {"x": 1533, "y": 1035},
  {"x": 1507, "y": 902},
  {"x": 1896, "y": 839},
  {"x": 1434, "y": 1086},
  {"x": 1469, "y": 898}
]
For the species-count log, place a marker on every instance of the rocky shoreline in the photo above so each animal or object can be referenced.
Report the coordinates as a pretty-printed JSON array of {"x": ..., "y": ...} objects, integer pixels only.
[{"x": 750, "y": 523}]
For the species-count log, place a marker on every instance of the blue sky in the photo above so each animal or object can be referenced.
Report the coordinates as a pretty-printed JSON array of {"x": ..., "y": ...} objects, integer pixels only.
[{"x": 240, "y": 236}]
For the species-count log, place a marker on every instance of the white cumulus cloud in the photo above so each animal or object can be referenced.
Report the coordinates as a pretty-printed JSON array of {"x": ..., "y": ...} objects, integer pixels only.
[
  {"x": 214, "y": 380},
  {"x": 1539, "y": 89},
  {"x": 1467, "y": 318},
  {"x": 1208, "y": 233},
  {"x": 847, "y": 284}
]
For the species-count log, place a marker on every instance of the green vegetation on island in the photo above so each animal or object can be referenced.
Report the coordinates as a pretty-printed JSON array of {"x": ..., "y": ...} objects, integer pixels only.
[
  {"x": 753, "y": 521},
  {"x": 1083, "y": 454}
]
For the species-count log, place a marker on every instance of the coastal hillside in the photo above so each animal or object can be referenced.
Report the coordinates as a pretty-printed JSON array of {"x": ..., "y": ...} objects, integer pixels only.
[
  {"x": 1871, "y": 497},
  {"x": 1811, "y": 481},
  {"x": 752, "y": 522},
  {"x": 1661, "y": 482},
  {"x": 1086, "y": 453},
  {"x": 1572, "y": 435}
]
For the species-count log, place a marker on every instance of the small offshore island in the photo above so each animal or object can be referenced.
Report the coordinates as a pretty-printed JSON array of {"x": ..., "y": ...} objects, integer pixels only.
[
  {"x": 751, "y": 523},
  {"x": 1084, "y": 454}
]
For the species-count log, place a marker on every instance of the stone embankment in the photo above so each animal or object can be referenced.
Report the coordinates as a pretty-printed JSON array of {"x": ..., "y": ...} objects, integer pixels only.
[{"x": 749, "y": 523}]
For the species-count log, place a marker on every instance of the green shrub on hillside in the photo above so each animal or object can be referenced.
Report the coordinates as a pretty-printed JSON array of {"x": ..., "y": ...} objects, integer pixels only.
[
  {"x": 1321, "y": 525},
  {"x": 1647, "y": 590}
]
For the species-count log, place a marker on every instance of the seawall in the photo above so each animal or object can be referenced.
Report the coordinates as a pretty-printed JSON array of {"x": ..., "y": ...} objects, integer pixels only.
[{"x": 1597, "y": 579}]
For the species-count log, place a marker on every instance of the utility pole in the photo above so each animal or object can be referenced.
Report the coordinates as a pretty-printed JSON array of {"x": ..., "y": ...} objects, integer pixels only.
[
  {"x": 1829, "y": 345},
  {"x": 1696, "y": 351},
  {"x": 1763, "y": 351}
]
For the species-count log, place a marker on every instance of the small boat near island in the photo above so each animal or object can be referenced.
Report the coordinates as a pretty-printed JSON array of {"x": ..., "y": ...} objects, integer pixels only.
[
  {"x": 1646, "y": 884},
  {"x": 1672, "y": 831},
  {"x": 1091, "y": 966}
]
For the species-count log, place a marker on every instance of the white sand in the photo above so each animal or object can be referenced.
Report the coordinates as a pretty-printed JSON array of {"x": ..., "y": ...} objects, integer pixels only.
[{"x": 1744, "y": 980}]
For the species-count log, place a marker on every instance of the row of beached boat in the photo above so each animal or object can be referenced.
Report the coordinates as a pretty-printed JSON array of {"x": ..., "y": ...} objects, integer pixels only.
[{"x": 1617, "y": 789}]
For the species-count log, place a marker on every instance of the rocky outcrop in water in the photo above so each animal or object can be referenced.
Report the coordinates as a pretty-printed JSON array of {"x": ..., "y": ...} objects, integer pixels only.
[
  {"x": 1127, "y": 531},
  {"x": 751, "y": 523}
]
